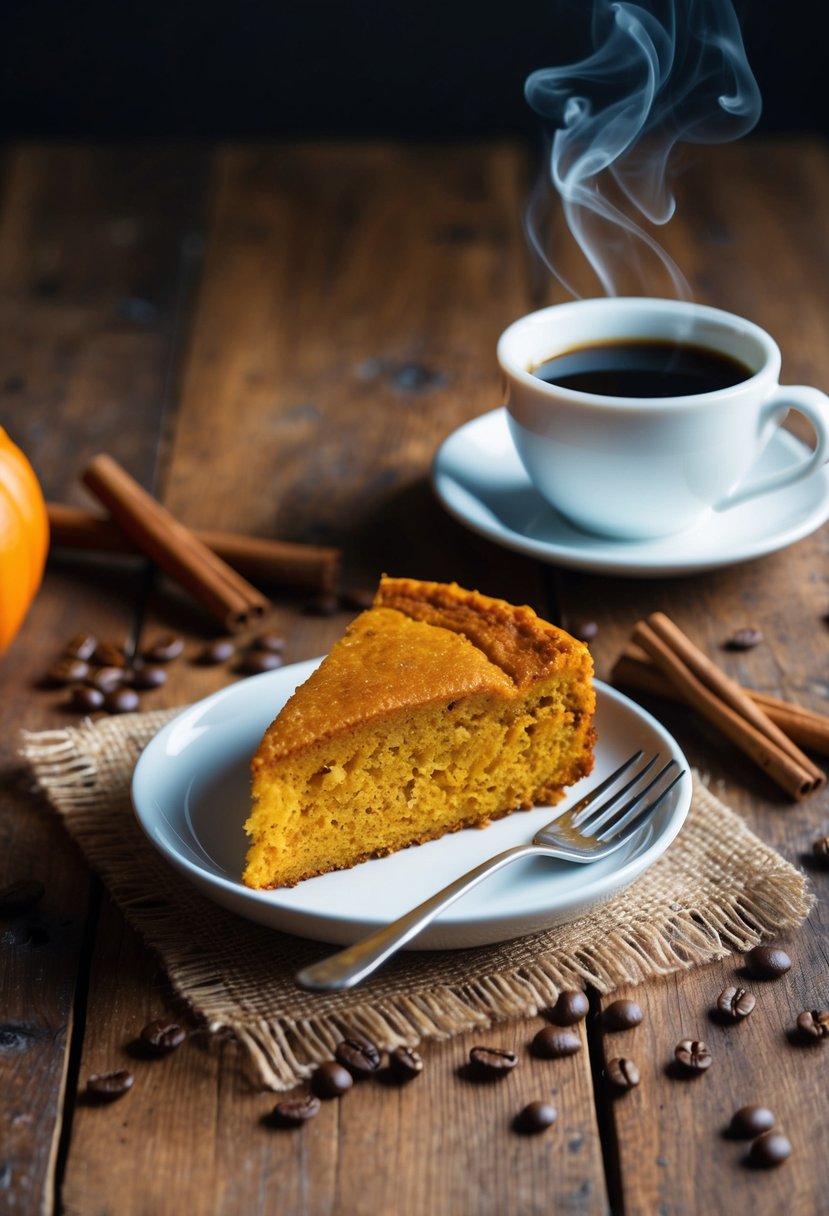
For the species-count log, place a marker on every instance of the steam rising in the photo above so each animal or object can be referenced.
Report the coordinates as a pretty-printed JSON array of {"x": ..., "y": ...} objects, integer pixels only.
[{"x": 673, "y": 72}]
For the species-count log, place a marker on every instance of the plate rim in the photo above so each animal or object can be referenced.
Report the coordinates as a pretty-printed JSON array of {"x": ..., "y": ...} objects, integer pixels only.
[
  {"x": 614, "y": 560},
  {"x": 235, "y": 890}
]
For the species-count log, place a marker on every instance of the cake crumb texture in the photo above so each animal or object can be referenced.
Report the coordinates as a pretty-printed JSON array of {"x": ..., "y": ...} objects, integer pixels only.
[{"x": 439, "y": 709}]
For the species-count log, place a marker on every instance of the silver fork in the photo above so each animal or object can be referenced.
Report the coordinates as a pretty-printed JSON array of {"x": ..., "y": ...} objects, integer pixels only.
[{"x": 584, "y": 833}]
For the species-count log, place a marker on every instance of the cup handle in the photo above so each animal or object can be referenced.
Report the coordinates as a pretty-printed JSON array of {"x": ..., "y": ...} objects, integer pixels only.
[{"x": 814, "y": 405}]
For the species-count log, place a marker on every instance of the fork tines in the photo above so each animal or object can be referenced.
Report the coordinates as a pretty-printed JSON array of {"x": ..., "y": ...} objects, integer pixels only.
[{"x": 606, "y": 821}]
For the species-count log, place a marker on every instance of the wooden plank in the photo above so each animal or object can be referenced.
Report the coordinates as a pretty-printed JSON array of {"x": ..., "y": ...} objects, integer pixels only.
[
  {"x": 340, "y": 333},
  {"x": 85, "y": 236},
  {"x": 753, "y": 248}
]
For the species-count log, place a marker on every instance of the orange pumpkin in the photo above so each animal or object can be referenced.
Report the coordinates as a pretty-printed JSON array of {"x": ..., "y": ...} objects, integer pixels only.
[{"x": 24, "y": 538}]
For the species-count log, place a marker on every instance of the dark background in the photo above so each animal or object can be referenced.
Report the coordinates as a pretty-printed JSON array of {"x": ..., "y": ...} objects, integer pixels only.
[{"x": 429, "y": 69}]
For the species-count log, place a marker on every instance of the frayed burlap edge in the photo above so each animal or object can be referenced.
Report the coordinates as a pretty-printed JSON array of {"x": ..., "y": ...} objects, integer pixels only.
[{"x": 236, "y": 976}]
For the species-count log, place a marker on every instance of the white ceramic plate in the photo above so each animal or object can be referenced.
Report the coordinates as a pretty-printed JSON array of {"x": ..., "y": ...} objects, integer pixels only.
[
  {"x": 191, "y": 794},
  {"x": 479, "y": 478}
]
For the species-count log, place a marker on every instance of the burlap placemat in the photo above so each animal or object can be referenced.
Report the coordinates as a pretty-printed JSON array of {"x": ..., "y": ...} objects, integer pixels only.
[{"x": 718, "y": 890}]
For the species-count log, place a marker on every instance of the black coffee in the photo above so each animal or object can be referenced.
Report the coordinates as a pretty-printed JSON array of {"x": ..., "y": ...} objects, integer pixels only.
[{"x": 645, "y": 368}]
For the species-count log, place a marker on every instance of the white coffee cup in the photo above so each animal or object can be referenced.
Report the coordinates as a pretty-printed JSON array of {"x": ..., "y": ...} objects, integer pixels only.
[{"x": 635, "y": 468}]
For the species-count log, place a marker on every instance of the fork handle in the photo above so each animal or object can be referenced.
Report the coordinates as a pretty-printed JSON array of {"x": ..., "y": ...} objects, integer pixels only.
[{"x": 348, "y": 967}]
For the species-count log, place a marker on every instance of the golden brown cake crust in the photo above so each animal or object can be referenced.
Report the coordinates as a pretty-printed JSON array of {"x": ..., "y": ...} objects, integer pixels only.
[{"x": 513, "y": 638}]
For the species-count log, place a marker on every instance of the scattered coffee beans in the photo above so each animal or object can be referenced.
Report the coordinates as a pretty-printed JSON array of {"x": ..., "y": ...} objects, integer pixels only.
[
  {"x": 106, "y": 678},
  {"x": 109, "y": 654},
  {"x": 146, "y": 677},
  {"x": 585, "y": 631},
  {"x": 750, "y": 1121},
  {"x": 622, "y": 1073},
  {"x": 164, "y": 649},
  {"x": 820, "y": 849},
  {"x": 692, "y": 1055},
  {"x": 570, "y": 1008},
  {"x": 535, "y": 1117},
  {"x": 20, "y": 896},
  {"x": 159, "y": 1038},
  {"x": 734, "y": 1004},
  {"x": 106, "y": 1086},
  {"x": 254, "y": 662},
  {"x": 294, "y": 1112},
  {"x": 405, "y": 1063},
  {"x": 769, "y": 1149},
  {"x": 492, "y": 1062},
  {"x": 552, "y": 1043},
  {"x": 67, "y": 670},
  {"x": 81, "y": 646},
  {"x": 744, "y": 639},
  {"x": 219, "y": 651},
  {"x": 621, "y": 1015},
  {"x": 330, "y": 1080},
  {"x": 359, "y": 1055},
  {"x": 814, "y": 1023},
  {"x": 121, "y": 700},
  {"x": 269, "y": 641},
  {"x": 767, "y": 962},
  {"x": 85, "y": 699}
]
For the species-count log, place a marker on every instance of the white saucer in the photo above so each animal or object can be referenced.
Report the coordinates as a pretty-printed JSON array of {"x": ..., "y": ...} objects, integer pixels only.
[
  {"x": 190, "y": 791},
  {"x": 480, "y": 479}
]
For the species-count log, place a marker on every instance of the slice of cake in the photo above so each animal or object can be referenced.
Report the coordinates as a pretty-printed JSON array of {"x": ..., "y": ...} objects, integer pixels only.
[{"x": 439, "y": 709}]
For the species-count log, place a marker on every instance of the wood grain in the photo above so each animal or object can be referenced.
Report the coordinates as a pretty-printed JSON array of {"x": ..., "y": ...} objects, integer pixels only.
[{"x": 343, "y": 324}]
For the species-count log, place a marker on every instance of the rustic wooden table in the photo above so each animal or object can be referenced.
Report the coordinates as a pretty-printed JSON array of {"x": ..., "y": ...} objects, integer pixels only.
[{"x": 275, "y": 340}]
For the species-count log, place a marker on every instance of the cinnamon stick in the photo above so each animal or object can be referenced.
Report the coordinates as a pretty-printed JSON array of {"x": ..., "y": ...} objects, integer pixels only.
[
  {"x": 273, "y": 562},
  {"x": 721, "y": 700},
  {"x": 809, "y": 729},
  {"x": 173, "y": 547}
]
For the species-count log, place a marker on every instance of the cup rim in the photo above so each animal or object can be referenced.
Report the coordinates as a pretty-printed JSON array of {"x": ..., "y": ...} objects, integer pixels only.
[{"x": 512, "y": 367}]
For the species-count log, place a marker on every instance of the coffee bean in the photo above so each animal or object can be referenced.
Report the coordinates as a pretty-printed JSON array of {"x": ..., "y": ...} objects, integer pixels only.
[
  {"x": 750, "y": 1121},
  {"x": 67, "y": 670},
  {"x": 85, "y": 699},
  {"x": 405, "y": 1063},
  {"x": 106, "y": 1086},
  {"x": 219, "y": 651},
  {"x": 769, "y": 1149},
  {"x": 585, "y": 631},
  {"x": 570, "y": 1008},
  {"x": 814, "y": 1023},
  {"x": 20, "y": 896},
  {"x": 106, "y": 678},
  {"x": 621, "y": 1015},
  {"x": 160, "y": 1038},
  {"x": 81, "y": 646},
  {"x": 535, "y": 1117},
  {"x": 767, "y": 962},
  {"x": 492, "y": 1062},
  {"x": 622, "y": 1073},
  {"x": 330, "y": 1080},
  {"x": 322, "y": 605},
  {"x": 820, "y": 849},
  {"x": 274, "y": 642},
  {"x": 693, "y": 1055},
  {"x": 164, "y": 648},
  {"x": 254, "y": 662},
  {"x": 744, "y": 639},
  {"x": 551, "y": 1043},
  {"x": 734, "y": 1004},
  {"x": 109, "y": 654},
  {"x": 121, "y": 701},
  {"x": 359, "y": 1055},
  {"x": 146, "y": 677},
  {"x": 296, "y": 1111}
]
